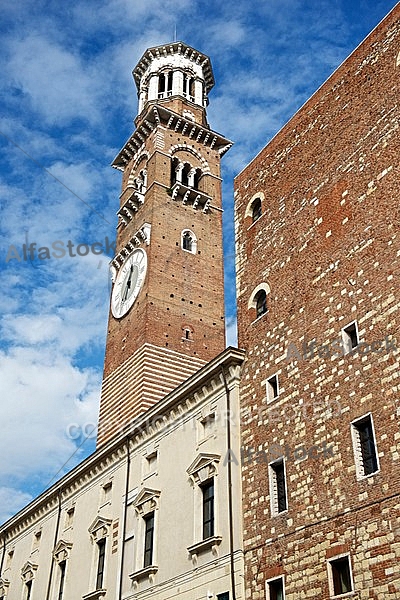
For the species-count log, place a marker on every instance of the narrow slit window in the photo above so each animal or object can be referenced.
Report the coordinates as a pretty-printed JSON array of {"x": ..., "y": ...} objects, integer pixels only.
[
  {"x": 101, "y": 548},
  {"x": 208, "y": 509},
  {"x": 256, "y": 210},
  {"x": 62, "y": 567},
  {"x": 148, "y": 539},
  {"x": 364, "y": 447},
  {"x": 278, "y": 487},
  {"x": 28, "y": 590}
]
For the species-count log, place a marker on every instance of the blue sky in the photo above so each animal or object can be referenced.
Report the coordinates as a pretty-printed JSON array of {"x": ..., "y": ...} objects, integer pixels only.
[{"x": 68, "y": 104}]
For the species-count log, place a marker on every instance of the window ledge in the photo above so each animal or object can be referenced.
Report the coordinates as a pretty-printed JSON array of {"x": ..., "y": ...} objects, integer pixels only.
[
  {"x": 361, "y": 477},
  {"x": 352, "y": 594},
  {"x": 96, "y": 595},
  {"x": 143, "y": 573},
  {"x": 259, "y": 318},
  {"x": 204, "y": 545}
]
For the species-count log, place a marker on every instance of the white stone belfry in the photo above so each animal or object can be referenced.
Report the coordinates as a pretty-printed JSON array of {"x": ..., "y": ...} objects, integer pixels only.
[{"x": 173, "y": 70}]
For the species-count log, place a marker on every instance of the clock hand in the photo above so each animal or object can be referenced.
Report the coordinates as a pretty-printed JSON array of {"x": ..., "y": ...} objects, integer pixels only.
[{"x": 128, "y": 285}]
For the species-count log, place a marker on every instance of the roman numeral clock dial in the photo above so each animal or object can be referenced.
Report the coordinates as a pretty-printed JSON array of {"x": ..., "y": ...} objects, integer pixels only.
[{"x": 128, "y": 282}]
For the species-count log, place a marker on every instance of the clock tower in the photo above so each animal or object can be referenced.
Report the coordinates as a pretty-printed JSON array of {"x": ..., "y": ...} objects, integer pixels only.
[{"x": 167, "y": 303}]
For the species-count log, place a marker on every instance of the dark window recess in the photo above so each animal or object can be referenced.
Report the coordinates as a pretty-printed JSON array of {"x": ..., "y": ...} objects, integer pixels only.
[
  {"x": 367, "y": 445},
  {"x": 101, "y": 545},
  {"x": 272, "y": 387},
  {"x": 261, "y": 303},
  {"x": 62, "y": 567},
  {"x": 28, "y": 586},
  {"x": 223, "y": 596},
  {"x": 350, "y": 337},
  {"x": 148, "y": 539},
  {"x": 256, "y": 209},
  {"x": 187, "y": 242},
  {"x": 208, "y": 509},
  {"x": 341, "y": 575},
  {"x": 275, "y": 589},
  {"x": 279, "y": 473}
]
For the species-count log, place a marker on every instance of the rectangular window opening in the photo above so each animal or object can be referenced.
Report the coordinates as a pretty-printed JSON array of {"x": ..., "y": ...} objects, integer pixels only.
[
  {"x": 151, "y": 460},
  {"x": 275, "y": 590},
  {"x": 350, "y": 337},
  {"x": 69, "y": 517},
  {"x": 62, "y": 567},
  {"x": 208, "y": 509},
  {"x": 272, "y": 388},
  {"x": 101, "y": 545},
  {"x": 148, "y": 539},
  {"x": 208, "y": 424},
  {"x": 278, "y": 487},
  {"x": 341, "y": 581},
  {"x": 223, "y": 596},
  {"x": 364, "y": 446},
  {"x": 28, "y": 586}
]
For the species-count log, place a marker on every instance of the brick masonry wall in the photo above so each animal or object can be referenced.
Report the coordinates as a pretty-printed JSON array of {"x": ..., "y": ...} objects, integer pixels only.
[
  {"x": 181, "y": 291},
  {"x": 327, "y": 245}
]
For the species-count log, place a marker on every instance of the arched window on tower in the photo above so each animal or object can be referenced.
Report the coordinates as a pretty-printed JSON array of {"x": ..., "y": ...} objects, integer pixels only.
[
  {"x": 197, "y": 176},
  {"x": 256, "y": 209},
  {"x": 165, "y": 84},
  {"x": 174, "y": 169},
  {"x": 261, "y": 303},
  {"x": 189, "y": 241},
  {"x": 185, "y": 174},
  {"x": 188, "y": 87}
]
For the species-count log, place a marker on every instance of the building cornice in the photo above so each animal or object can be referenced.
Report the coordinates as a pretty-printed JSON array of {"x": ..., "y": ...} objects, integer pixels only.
[
  {"x": 170, "y": 49},
  {"x": 157, "y": 115}
]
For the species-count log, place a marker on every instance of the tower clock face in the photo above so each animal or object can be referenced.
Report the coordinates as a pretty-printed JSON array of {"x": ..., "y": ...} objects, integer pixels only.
[{"x": 128, "y": 282}]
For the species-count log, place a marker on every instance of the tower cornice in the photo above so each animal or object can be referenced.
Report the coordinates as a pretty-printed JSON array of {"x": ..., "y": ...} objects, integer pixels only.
[{"x": 160, "y": 115}]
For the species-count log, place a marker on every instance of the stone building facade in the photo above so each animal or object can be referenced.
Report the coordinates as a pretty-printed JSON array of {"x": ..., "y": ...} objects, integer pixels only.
[
  {"x": 318, "y": 247},
  {"x": 113, "y": 528}
]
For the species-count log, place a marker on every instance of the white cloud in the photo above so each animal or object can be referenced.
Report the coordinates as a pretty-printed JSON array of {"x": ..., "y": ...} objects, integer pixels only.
[
  {"x": 59, "y": 85},
  {"x": 11, "y": 500}
]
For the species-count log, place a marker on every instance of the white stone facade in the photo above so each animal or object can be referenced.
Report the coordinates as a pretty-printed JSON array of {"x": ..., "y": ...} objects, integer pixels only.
[{"x": 160, "y": 467}]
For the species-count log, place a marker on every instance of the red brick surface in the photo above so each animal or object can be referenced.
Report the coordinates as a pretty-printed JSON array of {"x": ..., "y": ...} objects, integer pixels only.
[{"x": 327, "y": 245}]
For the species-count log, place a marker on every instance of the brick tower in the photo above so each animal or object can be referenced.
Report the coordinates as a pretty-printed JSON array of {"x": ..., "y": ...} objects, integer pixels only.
[{"x": 167, "y": 304}]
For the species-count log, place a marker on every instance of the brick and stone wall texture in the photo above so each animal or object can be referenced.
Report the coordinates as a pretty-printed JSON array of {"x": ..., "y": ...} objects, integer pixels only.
[{"x": 326, "y": 248}]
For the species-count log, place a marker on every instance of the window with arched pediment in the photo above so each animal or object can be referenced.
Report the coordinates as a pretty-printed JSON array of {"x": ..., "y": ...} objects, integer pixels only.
[
  {"x": 188, "y": 241},
  {"x": 258, "y": 300},
  {"x": 254, "y": 208}
]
